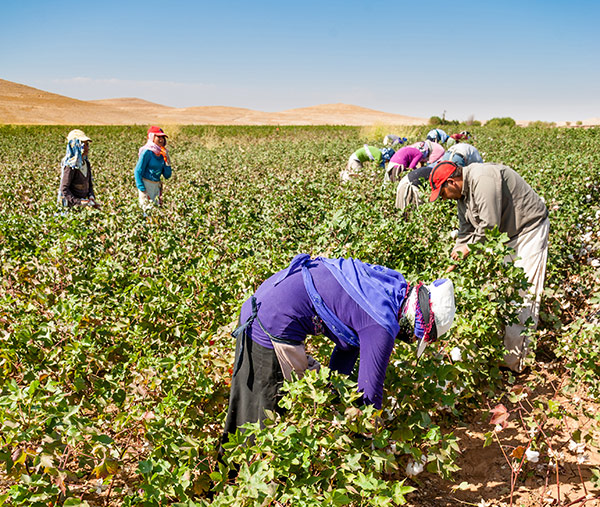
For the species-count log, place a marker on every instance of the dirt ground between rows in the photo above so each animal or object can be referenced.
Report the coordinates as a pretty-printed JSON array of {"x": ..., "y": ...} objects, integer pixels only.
[{"x": 485, "y": 476}]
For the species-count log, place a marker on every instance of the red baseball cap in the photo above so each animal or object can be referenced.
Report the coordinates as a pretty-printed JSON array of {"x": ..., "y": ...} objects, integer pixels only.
[
  {"x": 440, "y": 173},
  {"x": 157, "y": 131}
]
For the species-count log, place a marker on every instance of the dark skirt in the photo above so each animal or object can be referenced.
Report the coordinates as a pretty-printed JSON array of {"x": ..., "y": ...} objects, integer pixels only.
[{"x": 255, "y": 386}]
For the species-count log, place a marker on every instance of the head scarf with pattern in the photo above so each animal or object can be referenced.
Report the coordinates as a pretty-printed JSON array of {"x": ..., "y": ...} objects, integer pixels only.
[
  {"x": 74, "y": 157},
  {"x": 159, "y": 151}
]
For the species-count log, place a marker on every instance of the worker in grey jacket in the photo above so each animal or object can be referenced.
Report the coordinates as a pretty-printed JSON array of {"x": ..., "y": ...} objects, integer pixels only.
[
  {"x": 463, "y": 154},
  {"x": 491, "y": 195}
]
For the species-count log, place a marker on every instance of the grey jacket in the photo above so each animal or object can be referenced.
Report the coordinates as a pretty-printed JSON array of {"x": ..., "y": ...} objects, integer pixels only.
[{"x": 494, "y": 194}]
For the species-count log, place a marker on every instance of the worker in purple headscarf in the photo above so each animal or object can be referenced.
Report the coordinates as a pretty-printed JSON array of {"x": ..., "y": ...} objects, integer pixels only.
[{"x": 363, "y": 308}]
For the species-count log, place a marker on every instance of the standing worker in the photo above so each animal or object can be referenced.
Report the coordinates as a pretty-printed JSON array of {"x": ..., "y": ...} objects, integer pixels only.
[
  {"x": 153, "y": 162},
  {"x": 490, "y": 195},
  {"x": 76, "y": 182},
  {"x": 361, "y": 307}
]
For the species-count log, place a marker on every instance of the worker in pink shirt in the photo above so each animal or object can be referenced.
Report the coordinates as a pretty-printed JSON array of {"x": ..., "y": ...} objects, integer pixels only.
[{"x": 406, "y": 158}]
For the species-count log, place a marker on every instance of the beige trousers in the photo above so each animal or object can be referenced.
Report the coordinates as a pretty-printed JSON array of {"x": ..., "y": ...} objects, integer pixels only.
[
  {"x": 294, "y": 358},
  {"x": 352, "y": 170},
  {"x": 407, "y": 194},
  {"x": 152, "y": 196},
  {"x": 531, "y": 253},
  {"x": 393, "y": 171}
]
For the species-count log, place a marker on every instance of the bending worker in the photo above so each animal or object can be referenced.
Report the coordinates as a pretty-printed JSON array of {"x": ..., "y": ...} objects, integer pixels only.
[
  {"x": 413, "y": 189},
  {"x": 437, "y": 136},
  {"x": 406, "y": 158},
  {"x": 360, "y": 157},
  {"x": 490, "y": 195},
  {"x": 361, "y": 307},
  {"x": 463, "y": 154}
]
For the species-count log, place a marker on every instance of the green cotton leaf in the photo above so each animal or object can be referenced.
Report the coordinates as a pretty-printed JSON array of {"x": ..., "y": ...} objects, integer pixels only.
[
  {"x": 3, "y": 499},
  {"x": 145, "y": 467},
  {"x": 368, "y": 483},
  {"x": 79, "y": 384},
  {"x": 489, "y": 437},
  {"x": 553, "y": 407},
  {"x": 339, "y": 497},
  {"x": 75, "y": 501},
  {"x": 402, "y": 434},
  {"x": 103, "y": 439},
  {"x": 216, "y": 476},
  {"x": 119, "y": 396},
  {"x": 399, "y": 491},
  {"x": 595, "y": 479},
  {"x": 107, "y": 468}
]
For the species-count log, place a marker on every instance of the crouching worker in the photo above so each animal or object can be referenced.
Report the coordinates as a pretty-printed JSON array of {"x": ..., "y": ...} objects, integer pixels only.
[
  {"x": 361, "y": 307},
  {"x": 76, "y": 183}
]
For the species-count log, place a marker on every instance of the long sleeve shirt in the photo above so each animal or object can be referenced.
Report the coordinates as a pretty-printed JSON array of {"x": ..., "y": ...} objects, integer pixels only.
[
  {"x": 74, "y": 186},
  {"x": 409, "y": 157},
  {"x": 363, "y": 156},
  {"x": 468, "y": 152},
  {"x": 150, "y": 167},
  {"x": 286, "y": 312},
  {"x": 494, "y": 194}
]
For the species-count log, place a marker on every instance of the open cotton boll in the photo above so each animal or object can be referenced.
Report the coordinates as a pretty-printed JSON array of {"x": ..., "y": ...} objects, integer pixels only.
[
  {"x": 533, "y": 456},
  {"x": 413, "y": 468},
  {"x": 456, "y": 354}
]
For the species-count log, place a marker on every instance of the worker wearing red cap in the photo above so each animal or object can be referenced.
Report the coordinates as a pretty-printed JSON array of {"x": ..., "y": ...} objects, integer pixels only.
[
  {"x": 153, "y": 163},
  {"x": 490, "y": 195}
]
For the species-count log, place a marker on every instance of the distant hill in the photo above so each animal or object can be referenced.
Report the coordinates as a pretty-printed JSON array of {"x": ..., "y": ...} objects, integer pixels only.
[{"x": 21, "y": 104}]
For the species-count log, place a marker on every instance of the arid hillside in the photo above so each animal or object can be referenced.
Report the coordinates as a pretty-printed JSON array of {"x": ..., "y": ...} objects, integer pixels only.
[{"x": 21, "y": 104}]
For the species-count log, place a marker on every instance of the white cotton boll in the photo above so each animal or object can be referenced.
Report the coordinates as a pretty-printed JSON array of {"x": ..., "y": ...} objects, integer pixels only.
[
  {"x": 533, "y": 456},
  {"x": 454, "y": 234},
  {"x": 455, "y": 354},
  {"x": 413, "y": 468},
  {"x": 498, "y": 428},
  {"x": 575, "y": 447},
  {"x": 595, "y": 263},
  {"x": 443, "y": 387},
  {"x": 583, "y": 459}
]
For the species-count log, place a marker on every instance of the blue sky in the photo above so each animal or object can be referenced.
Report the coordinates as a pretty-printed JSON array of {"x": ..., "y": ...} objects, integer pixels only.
[{"x": 532, "y": 60}]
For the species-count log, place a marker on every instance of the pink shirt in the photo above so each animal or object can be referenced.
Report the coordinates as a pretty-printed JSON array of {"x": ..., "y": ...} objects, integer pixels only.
[{"x": 409, "y": 156}]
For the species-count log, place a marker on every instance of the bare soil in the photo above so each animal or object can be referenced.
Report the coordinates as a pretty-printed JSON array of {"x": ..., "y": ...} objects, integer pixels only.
[{"x": 485, "y": 476}]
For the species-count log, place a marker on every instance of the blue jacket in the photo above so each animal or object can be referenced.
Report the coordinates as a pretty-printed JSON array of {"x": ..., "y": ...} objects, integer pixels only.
[{"x": 150, "y": 167}]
